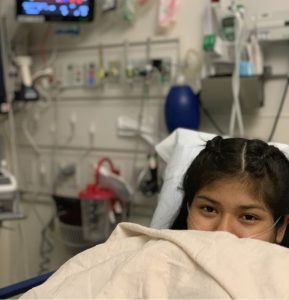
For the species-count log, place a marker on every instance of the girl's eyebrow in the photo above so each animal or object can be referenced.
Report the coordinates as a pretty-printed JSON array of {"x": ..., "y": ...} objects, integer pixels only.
[
  {"x": 208, "y": 199},
  {"x": 252, "y": 206},
  {"x": 241, "y": 207}
]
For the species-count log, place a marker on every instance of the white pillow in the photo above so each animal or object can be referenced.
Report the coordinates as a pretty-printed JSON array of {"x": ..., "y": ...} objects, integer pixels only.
[{"x": 178, "y": 150}]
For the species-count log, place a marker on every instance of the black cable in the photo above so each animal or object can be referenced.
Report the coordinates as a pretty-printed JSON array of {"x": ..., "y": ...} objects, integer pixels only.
[
  {"x": 208, "y": 115},
  {"x": 46, "y": 248},
  {"x": 279, "y": 111}
]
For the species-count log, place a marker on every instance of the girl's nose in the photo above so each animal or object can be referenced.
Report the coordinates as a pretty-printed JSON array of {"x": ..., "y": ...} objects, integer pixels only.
[{"x": 226, "y": 224}]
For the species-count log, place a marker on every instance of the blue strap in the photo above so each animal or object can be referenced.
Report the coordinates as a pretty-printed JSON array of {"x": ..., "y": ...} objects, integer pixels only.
[{"x": 23, "y": 286}]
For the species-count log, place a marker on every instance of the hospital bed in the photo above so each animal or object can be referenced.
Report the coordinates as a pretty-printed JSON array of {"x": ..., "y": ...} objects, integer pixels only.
[
  {"x": 23, "y": 286},
  {"x": 178, "y": 150},
  {"x": 163, "y": 211}
]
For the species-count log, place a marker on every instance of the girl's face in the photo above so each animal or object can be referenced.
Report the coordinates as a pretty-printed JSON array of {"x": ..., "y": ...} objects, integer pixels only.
[{"x": 228, "y": 205}]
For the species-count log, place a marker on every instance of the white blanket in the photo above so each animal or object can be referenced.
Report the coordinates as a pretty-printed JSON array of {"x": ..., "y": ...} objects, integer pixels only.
[{"x": 140, "y": 262}]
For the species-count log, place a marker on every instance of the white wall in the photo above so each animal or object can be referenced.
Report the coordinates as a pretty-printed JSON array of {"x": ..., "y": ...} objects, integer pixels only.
[
  {"x": 102, "y": 107},
  {"x": 97, "y": 106}
]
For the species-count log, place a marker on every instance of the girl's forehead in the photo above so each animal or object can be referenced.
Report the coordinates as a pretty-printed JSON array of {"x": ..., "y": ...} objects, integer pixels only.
[
  {"x": 228, "y": 183},
  {"x": 234, "y": 190},
  {"x": 240, "y": 183}
]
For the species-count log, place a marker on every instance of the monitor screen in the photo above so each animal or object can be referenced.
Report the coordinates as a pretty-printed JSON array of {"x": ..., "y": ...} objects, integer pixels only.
[{"x": 55, "y": 10}]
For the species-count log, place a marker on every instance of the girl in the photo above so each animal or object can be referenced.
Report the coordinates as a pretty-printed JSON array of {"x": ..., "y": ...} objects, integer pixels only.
[{"x": 240, "y": 186}]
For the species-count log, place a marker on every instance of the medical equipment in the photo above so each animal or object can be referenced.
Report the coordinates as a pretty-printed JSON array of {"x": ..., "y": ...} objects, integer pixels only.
[
  {"x": 70, "y": 228},
  {"x": 241, "y": 35},
  {"x": 217, "y": 43},
  {"x": 101, "y": 208},
  {"x": 255, "y": 55},
  {"x": 9, "y": 197},
  {"x": 182, "y": 108},
  {"x": 115, "y": 182},
  {"x": 224, "y": 53},
  {"x": 129, "y": 11},
  {"x": 149, "y": 185},
  {"x": 27, "y": 91},
  {"x": 272, "y": 25},
  {"x": 95, "y": 205},
  {"x": 53, "y": 10},
  {"x": 167, "y": 12}
]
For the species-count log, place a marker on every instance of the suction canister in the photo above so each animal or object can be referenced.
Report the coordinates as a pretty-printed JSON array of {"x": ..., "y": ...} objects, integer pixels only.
[{"x": 96, "y": 205}]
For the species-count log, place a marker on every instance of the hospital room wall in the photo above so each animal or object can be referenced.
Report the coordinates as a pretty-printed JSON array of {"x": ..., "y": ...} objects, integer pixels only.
[
  {"x": 102, "y": 108},
  {"x": 89, "y": 106}
]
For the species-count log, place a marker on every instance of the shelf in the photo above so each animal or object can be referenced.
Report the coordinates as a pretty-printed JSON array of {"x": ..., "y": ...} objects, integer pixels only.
[{"x": 217, "y": 93}]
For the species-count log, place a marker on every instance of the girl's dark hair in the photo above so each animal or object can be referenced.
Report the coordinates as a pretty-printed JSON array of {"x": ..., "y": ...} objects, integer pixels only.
[{"x": 264, "y": 168}]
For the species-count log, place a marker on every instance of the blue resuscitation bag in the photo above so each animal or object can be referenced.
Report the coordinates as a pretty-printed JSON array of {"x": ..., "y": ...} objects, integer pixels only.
[{"x": 182, "y": 108}]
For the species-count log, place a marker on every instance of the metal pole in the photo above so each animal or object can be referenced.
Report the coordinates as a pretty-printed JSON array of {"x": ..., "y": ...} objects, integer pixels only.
[{"x": 109, "y": 46}]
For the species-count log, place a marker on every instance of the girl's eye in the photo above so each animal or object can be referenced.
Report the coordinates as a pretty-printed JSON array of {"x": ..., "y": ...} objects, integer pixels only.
[
  {"x": 208, "y": 209},
  {"x": 249, "y": 218}
]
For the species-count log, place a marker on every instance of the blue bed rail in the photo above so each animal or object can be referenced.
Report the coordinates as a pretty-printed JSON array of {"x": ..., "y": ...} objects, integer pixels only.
[{"x": 23, "y": 286}]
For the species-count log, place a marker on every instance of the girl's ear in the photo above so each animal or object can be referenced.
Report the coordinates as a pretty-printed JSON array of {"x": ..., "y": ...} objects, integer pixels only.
[{"x": 281, "y": 230}]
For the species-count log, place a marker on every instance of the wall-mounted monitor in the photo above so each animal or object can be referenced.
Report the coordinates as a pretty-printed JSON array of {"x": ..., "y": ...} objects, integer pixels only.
[{"x": 55, "y": 10}]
